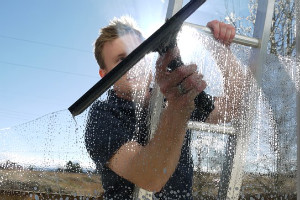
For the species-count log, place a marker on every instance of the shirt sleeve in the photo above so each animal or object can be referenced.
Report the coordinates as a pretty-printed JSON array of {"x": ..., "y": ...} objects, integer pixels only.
[
  {"x": 204, "y": 105},
  {"x": 105, "y": 134}
]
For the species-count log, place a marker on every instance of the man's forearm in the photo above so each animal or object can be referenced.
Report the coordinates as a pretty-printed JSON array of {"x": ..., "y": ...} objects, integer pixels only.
[
  {"x": 235, "y": 81},
  {"x": 228, "y": 106},
  {"x": 158, "y": 159}
]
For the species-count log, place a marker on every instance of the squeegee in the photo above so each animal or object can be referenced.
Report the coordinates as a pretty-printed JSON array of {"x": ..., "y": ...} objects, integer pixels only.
[{"x": 160, "y": 41}]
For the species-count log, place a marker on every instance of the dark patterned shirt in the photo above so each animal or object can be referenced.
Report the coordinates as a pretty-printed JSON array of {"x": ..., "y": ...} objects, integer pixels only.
[{"x": 114, "y": 122}]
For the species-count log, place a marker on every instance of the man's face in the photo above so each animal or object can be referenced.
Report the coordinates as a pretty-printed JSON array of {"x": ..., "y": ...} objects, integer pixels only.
[{"x": 113, "y": 53}]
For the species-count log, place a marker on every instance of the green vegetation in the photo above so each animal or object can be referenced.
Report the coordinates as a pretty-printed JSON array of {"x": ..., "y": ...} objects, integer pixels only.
[{"x": 73, "y": 167}]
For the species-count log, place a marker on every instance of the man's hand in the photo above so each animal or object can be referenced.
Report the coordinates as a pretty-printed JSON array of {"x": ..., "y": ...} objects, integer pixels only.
[
  {"x": 181, "y": 86},
  {"x": 222, "y": 32}
]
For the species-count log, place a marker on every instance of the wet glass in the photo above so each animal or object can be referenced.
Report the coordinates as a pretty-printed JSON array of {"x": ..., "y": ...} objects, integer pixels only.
[{"x": 47, "y": 158}]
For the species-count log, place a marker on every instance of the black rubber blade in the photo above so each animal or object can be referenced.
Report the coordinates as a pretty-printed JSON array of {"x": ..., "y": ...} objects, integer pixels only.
[{"x": 158, "y": 41}]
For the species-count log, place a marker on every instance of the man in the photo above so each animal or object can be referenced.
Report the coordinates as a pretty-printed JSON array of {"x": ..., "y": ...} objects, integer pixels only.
[{"x": 117, "y": 139}]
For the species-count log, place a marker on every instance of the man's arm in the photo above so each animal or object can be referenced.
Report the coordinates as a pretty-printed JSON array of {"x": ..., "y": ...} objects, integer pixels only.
[
  {"x": 151, "y": 166},
  {"x": 227, "y": 107}
]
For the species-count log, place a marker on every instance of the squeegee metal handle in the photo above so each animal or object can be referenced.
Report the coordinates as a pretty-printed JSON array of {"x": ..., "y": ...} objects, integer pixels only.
[{"x": 153, "y": 43}]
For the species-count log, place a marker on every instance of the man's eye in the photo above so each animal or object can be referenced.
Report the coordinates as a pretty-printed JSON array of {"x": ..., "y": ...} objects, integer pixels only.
[{"x": 120, "y": 59}]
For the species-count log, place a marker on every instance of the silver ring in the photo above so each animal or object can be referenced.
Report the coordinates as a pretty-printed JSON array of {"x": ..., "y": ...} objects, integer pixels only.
[{"x": 181, "y": 89}]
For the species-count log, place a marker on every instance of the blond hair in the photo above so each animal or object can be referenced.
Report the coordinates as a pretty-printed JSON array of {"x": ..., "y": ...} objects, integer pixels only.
[{"x": 117, "y": 27}]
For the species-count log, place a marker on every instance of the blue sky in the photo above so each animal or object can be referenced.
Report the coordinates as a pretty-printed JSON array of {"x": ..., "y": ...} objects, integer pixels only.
[
  {"x": 46, "y": 51},
  {"x": 47, "y": 63}
]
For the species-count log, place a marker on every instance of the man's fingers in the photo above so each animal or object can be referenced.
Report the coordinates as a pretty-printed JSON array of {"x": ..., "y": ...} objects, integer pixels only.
[
  {"x": 221, "y": 31},
  {"x": 214, "y": 26},
  {"x": 171, "y": 79},
  {"x": 227, "y": 36},
  {"x": 191, "y": 94},
  {"x": 232, "y": 33},
  {"x": 193, "y": 83}
]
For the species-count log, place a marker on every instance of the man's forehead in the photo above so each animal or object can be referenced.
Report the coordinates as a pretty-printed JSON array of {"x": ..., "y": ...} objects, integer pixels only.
[
  {"x": 125, "y": 43},
  {"x": 130, "y": 40}
]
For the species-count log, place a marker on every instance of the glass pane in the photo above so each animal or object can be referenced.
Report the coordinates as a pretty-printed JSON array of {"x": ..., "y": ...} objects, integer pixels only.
[{"x": 47, "y": 63}]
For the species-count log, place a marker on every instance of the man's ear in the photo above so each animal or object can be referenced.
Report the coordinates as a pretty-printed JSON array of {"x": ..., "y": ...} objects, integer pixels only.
[{"x": 102, "y": 73}]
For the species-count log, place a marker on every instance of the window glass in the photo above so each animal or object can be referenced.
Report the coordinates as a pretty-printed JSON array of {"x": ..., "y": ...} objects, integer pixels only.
[{"x": 47, "y": 63}]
